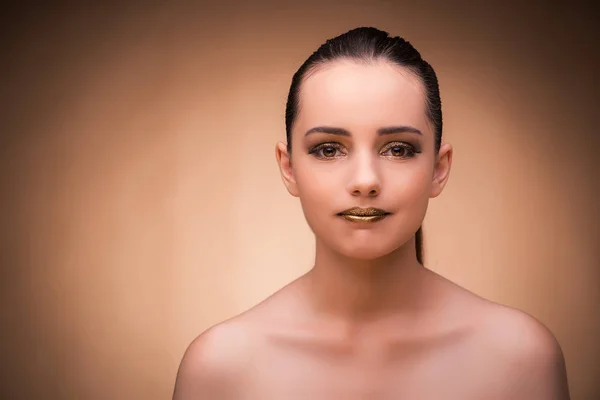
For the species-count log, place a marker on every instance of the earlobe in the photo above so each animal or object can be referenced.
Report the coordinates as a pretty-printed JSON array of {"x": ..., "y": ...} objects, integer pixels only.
[
  {"x": 285, "y": 167},
  {"x": 441, "y": 171}
]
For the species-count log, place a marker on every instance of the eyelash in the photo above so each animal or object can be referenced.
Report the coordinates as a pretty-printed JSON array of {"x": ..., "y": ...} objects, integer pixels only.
[{"x": 333, "y": 145}]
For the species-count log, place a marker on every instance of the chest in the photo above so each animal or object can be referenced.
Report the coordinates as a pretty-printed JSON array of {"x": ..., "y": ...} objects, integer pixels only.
[{"x": 386, "y": 373}]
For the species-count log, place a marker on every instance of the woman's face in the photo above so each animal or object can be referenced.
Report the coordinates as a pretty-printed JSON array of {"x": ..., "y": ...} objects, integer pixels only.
[{"x": 362, "y": 139}]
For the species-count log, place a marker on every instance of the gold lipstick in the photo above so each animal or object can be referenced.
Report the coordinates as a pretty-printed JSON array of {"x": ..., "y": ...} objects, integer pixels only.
[{"x": 358, "y": 214}]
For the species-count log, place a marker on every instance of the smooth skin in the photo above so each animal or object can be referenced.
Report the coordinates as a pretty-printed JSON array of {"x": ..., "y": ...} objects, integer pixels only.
[{"x": 368, "y": 321}]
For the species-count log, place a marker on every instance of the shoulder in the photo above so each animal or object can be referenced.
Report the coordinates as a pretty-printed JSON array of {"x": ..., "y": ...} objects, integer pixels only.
[
  {"x": 527, "y": 358},
  {"x": 518, "y": 337},
  {"x": 514, "y": 355},
  {"x": 213, "y": 362}
]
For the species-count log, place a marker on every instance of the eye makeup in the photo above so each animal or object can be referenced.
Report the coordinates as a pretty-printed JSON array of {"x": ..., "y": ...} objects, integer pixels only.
[
  {"x": 326, "y": 150},
  {"x": 396, "y": 150},
  {"x": 407, "y": 150}
]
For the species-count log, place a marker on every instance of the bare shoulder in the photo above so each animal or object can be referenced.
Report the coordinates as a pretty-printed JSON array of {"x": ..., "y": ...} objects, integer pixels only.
[
  {"x": 506, "y": 329},
  {"x": 517, "y": 332},
  {"x": 213, "y": 363},
  {"x": 516, "y": 354},
  {"x": 524, "y": 354}
]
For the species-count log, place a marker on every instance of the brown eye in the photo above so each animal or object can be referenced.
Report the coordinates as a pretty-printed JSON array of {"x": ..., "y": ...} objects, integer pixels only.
[
  {"x": 400, "y": 150},
  {"x": 327, "y": 151}
]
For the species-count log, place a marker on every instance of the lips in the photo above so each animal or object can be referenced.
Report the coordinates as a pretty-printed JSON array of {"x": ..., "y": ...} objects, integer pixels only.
[{"x": 358, "y": 214}]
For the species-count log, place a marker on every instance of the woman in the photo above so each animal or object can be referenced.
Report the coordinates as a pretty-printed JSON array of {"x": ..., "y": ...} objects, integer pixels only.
[{"x": 364, "y": 155}]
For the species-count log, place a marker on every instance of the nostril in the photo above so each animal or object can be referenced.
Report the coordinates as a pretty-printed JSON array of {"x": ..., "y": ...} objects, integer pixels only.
[{"x": 369, "y": 193}]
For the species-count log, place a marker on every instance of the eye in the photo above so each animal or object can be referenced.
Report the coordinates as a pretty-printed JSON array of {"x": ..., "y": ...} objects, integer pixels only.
[
  {"x": 400, "y": 150},
  {"x": 327, "y": 150}
]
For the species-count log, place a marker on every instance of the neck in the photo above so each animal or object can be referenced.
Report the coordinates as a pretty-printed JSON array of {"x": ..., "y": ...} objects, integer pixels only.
[{"x": 359, "y": 290}]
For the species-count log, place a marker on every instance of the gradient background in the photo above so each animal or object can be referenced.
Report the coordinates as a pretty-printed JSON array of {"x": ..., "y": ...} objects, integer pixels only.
[{"x": 141, "y": 201}]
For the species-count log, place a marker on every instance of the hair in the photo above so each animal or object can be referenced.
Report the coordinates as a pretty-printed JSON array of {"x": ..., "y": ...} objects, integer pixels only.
[{"x": 368, "y": 45}]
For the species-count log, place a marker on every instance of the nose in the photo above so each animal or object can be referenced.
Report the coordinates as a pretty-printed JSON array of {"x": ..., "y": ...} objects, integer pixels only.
[{"x": 365, "y": 180}]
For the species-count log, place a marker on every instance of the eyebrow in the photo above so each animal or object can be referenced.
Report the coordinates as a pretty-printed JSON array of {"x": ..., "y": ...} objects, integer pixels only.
[{"x": 381, "y": 131}]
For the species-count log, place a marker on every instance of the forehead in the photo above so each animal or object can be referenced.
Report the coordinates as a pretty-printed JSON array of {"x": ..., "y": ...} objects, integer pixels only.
[{"x": 355, "y": 96}]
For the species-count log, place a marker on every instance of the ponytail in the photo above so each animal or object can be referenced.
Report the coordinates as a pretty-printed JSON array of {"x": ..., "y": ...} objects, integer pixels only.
[{"x": 419, "y": 245}]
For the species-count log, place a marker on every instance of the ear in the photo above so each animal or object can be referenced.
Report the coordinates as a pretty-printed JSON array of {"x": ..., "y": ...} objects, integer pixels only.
[
  {"x": 441, "y": 170},
  {"x": 285, "y": 167}
]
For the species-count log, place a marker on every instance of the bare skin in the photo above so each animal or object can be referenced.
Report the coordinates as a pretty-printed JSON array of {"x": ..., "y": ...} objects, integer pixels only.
[
  {"x": 368, "y": 321},
  {"x": 456, "y": 346}
]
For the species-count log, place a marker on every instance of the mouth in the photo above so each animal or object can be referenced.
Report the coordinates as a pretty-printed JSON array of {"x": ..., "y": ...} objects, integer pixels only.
[{"x": 357, "y": 214}]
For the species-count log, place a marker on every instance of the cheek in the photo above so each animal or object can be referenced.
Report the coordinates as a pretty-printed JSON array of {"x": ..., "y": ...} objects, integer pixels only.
[
  {"x": 318, "y": 189},
  {"x": 316, "y": 184},
  {"x": 411, "y": 186},
  {"x": 415, "y": 199}
]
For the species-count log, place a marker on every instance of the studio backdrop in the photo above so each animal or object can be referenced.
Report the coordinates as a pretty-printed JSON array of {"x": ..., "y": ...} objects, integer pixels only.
[{"x": 141, "y": 202}]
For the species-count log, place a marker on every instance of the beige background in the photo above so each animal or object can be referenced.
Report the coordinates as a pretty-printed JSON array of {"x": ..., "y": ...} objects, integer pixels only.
[{"x": 141, "y": 201}]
